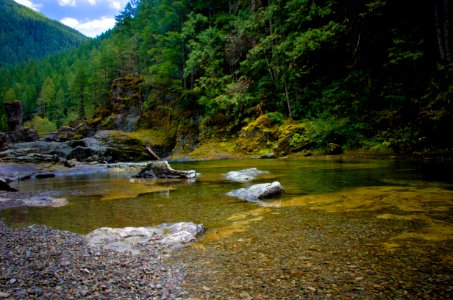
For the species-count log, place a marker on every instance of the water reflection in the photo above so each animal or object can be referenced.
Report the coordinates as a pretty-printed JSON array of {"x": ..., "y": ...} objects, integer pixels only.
[{"x": 111, "y": 199}]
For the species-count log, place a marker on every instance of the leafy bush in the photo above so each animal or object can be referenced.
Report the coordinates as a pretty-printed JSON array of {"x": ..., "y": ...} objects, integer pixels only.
[
  {"x": 296, "y": 140},
  {"x": 275, "y": 117},
  {"x": 42, "y": 125},
  {"x": 328, "y": 129}
]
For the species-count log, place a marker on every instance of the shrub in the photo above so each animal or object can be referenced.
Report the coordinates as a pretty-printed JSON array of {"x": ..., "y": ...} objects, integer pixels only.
[
  {"x": 275, "y": 117},
  {"x": 42, "y": 125}
]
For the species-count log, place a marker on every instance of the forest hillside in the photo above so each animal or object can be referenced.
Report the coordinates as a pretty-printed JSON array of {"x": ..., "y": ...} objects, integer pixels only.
[
  {"x": 26, "y": 34},
  {"x": 274, "y": 76}
]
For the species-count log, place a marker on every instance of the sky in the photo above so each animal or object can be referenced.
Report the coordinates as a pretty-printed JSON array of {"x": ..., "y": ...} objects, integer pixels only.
[{"x": 90, "y": 17}]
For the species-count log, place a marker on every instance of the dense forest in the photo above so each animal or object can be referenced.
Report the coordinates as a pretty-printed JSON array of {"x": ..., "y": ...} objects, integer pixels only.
[
  {"x": 26, "y": 34},
  {"x": 371, "y": 74}
]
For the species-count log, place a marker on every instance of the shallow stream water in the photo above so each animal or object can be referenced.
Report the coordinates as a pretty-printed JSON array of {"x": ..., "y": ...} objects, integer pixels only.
[{"x": 343, "y": 228}]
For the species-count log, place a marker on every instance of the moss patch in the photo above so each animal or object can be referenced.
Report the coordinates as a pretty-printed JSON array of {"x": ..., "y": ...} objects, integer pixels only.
[
  {"x": 215, "y": 150},
  {"x": 262, "y": 136}
]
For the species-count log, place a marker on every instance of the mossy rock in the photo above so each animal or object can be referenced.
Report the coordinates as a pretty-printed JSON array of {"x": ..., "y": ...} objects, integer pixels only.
[
  {"x": 258, "y": 134},
  {"x": 292, "y": 138},
  {"x": 261, "y": 136},
  {"x": 131, "y": 146}
]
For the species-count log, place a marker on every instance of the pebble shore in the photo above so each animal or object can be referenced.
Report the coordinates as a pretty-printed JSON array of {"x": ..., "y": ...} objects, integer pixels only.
[{"x": 38, "y": 262}]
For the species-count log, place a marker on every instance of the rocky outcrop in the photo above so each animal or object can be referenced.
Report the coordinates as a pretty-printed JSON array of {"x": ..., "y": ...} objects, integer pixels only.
[
  {"x": 131, "y": 238},
  {"x": 17, "y": 133},
  {"x": 264, "y": 138},
  {"x": 258, "y": 191},
  {"x": 14, "y": 111},
  {"x": 109, "y": 146},
  {"x": 70, "y": 133},
  {"x": 244, "y": 175},
  {"x": 125, "y": 105},
  {"x": 4, "y": 141},
  {"x": 161, "y": 169}
]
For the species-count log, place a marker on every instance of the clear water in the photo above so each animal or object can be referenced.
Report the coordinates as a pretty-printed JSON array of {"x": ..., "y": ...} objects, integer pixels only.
[
  {"x": 110, "y": 199},
  {"x": 344, "y": 229}
]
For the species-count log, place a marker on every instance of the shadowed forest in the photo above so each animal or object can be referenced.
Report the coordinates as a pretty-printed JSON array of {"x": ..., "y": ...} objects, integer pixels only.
[{"x": 374, "y": 75}]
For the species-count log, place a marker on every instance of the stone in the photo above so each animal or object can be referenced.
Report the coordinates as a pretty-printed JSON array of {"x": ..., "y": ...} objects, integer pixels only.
[
  {"x": 45, "y": 201},
  {"x": 244, "y": 175},
  {"x": 4, "y": 141},
  {"x": 44, "y": 175},
  {"x": 81, "y": 153},
  {"x": 258, "y": 191},
  {"x": 161, "y": 169},
  {"x": 14, "y": 112},
  {"x": 17, "y": 133},
  {"x": 128, "y": 238},
  {"x": 333, "y": 149},
  {"x": 4, "y": 186}
]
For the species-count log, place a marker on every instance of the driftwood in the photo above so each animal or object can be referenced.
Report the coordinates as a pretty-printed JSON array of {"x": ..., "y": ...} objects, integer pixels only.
[
  {"x": 161, "y": 169},
  {"x": 152, "y": 152}
]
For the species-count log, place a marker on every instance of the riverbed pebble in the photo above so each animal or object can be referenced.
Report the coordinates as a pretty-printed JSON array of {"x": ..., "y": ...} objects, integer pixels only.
[{"x": 39, "y": 262}]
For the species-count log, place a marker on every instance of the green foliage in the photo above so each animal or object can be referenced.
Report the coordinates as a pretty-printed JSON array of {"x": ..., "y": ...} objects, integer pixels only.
[
  {"x": 42, "y": 125},
  {"x": 275, "y": 117},
  {"x": 296, "y": 140},
  {"x": 328, "y": 129},
  {"x": 363, "y": 73},
  {"x": 26, "y": 35}
]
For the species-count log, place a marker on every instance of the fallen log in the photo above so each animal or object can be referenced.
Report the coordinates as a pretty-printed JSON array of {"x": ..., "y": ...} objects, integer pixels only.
[
  {"x": 152, "y": 152},
  {"x": 161, "y": 169}
]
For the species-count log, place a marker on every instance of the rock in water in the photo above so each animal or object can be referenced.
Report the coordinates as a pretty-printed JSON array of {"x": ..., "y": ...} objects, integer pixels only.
[
  {"x": 4, "y": 186},
  {"x": 258, "y": 191},
  {"x": 128, "y": 238},
  {"x": 45, "y": 201},
  {"x": 244, "y": 175},
  {"x": 161, "y": 169}
]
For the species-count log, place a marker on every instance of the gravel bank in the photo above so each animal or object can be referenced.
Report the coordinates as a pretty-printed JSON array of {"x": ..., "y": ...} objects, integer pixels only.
[{"x": 38, "y": 262}]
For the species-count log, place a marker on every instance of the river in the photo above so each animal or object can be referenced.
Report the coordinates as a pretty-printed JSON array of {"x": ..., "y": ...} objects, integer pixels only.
[{"x": 343, "y": 228}]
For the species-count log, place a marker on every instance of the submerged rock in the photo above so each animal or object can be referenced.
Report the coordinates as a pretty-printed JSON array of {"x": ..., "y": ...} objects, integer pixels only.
[
  {"x": 161, "y": 169},
  {"x": 258, "y": 191},
  {"x": 129, "y": 238},
  {"x": 45, "y": 201},
  {"x": 244, "y": 175}
]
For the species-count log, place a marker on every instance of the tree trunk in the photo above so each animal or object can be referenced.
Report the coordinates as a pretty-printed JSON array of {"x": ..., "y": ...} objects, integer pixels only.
[
  {"x": 447, "y": 30},
  {"x": 442, "y": 25},
  {"x": 288, "y": 103}
]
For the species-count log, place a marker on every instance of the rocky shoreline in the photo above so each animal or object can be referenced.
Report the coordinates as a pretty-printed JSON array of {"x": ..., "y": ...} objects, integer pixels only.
[
  {"x": 42, "y": 263},
  {"x": 38, "y": 262}
]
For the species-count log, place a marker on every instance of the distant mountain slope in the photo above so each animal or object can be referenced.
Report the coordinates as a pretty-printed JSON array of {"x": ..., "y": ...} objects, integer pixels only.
[{"x": 26, "y": 34}]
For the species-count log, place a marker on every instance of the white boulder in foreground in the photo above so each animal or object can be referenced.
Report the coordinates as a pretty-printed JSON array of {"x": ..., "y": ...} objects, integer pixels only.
[
  {"x": 258, "y": 191},
  {"x": 244, "y": 175},
  {"x": 128, "y": 238}
]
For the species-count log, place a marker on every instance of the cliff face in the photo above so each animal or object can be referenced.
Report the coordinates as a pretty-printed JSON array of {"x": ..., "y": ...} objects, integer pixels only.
[
  {"x": 17, "y": 133},
  {"x": 125, "y": 104}
]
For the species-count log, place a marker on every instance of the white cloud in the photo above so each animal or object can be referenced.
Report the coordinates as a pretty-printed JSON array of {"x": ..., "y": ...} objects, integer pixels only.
[
  {"x": 29, "y": 4},
  {"x": 92, "y": 2},
  {"x": 117, "y": 4},
  {"x": 67, "y": 3},
  {"x": 91, "y": 28}
]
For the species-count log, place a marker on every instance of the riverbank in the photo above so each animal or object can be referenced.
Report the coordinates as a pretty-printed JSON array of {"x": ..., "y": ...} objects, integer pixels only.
[{"x": 41, "y": 263}]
